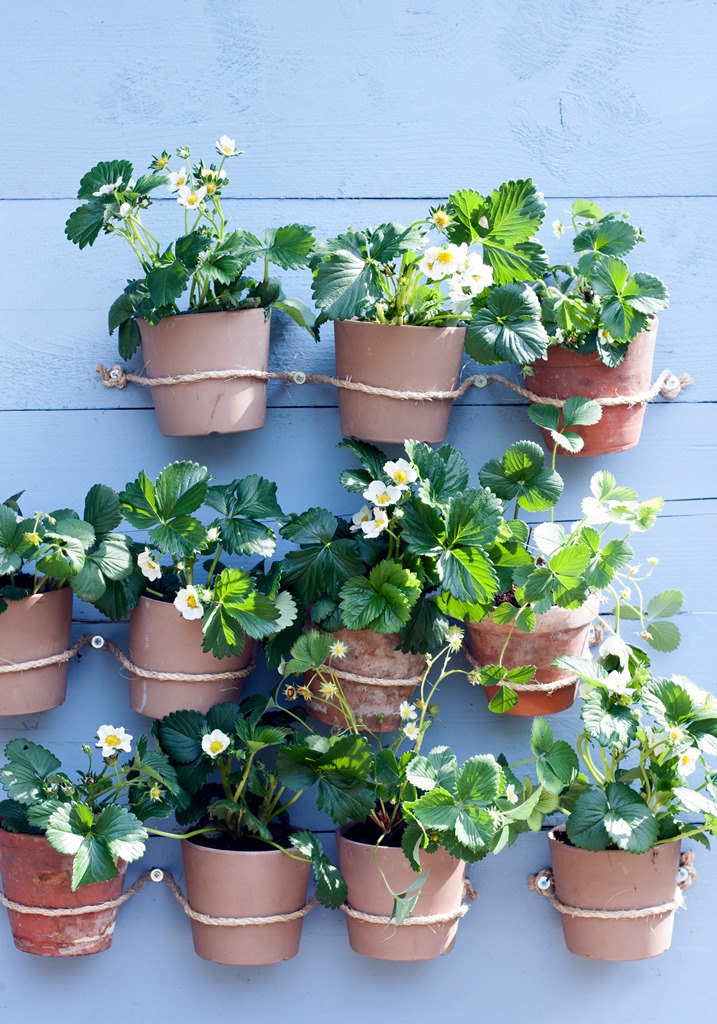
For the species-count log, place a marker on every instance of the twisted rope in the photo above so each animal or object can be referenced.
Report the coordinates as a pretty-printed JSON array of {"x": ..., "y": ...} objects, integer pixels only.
[
  {"x": 544, "y": 884},
  {"x": 158, "y": 875},
  {"x": 99, "y": 643},
  {"x": 559, "y": 684},
  {"x": 353, "y": 677},
  {"x": 451, "y": 915},
  {"x": 668, "y": 385}
]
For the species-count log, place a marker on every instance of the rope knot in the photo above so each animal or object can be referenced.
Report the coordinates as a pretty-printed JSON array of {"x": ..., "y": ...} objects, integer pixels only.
[
  {"x": 673, "y": 385},
  {"x": 115, "y": 377}
]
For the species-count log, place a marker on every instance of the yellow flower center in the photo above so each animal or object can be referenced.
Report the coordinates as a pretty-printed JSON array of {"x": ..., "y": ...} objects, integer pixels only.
[
  {"x": 444, "y": 256},
  {"x": 155, "y": 793},
  {"x": 112, "y": 741},
  {"x": 384, "y": 498},
  {"x": 216, "y": 746},
  {"x": 441, "y": 219},
  {"x": 400, "y": 476},
  {"x": 192, "y": 601}
]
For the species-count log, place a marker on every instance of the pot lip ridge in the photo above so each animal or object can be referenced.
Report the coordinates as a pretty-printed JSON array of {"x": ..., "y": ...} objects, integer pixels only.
[
  {"x": 453, "y": 328},
  {"x": 577, "y": 851},
  {"x": 592, "y": 606},
  {"x": 269, "y": 852},
  {"x": 213, "y": 312}
]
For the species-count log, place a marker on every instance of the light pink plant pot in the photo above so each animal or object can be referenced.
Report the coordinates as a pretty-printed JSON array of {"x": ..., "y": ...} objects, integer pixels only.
[
  {"x": 568, "y": 374},
  {"x": 615, "y": 880},
  {"x": 369, "y": 654},
  {"x": 442, "y": 893},
  {"x": 560, "y": 632},
  {"x": 404, "y": 359},
  {"x": 228, "y": 883},
  {"x": 161, "y": 640},
  {"x": 191, "y": 342},
  {"x": 36, "y": 627}
]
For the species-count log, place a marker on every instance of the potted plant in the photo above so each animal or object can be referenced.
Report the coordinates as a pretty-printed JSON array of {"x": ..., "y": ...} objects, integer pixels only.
[
  {"x": 408, "y": 822},
  {"x": 600, "y": 328},
  {"x": 181, "y": 625},
  {"x": 552, "y": 581},
  {"x": 399, "y": 304},
  {"x": 372, "y": 582},
  {"x": 66, "y": 844},
  {"x": 193, "y": 308},
  {"x": 242, "y": 859},
  {"x": 45, "y": 559},
  {"x": 618, "y": 855}
]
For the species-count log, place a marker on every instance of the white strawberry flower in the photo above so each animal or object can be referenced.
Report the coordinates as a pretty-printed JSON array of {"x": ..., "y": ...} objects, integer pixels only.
[
  {"x": 558, "y": 229},
  {"x": 477, "y": 275},
  {"x": 375, "y": 526},
  {"x": 382, "y": 494},
  {"x": 605, "y": 336},
  {"x": 407, "y": 711},
  {"x": 149, "y": 567},
  {"x": 125, "y": 209},
  {"x": 105, "y": 190},
  {"x": 189, "y": 603},
  {"x": 178, "y": 179},
  {"x": 112, "y": 740},
  {"x": 454, "y": 638},
  {"x": 616, "y": 647},
  {"x": 401, "y": 472},
  {"x": 215, "y": 743},
  {"x": 339, "y": 649},
  {"x": 618, "y": 682},
  {"x": 439, "y": 262},
  {"x": 687, "y": 762},
  {"x": 359, "y": 518},
  {"x": 411, "y": 732},
  {"x": 510, "y": 795},
  {"x": 226, "y": 146},
  {"x": 212, "y": 534},
  {"x": 191, "y": 199}
]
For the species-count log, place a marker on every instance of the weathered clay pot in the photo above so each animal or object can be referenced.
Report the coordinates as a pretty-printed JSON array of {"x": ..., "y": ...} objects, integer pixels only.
[
  {"x": 370, "y": 654},
  {"x": 33, "y": 628},
  {"x": 442, "y": 893},
  {"x": 403, "y": 359},
  {"x": 35, "y": 875},
  {"x": 615, "y": 880},
  {"x": 228, "y": 883},
  {"x": 558, "y": 633},
  {"x": 160, "y": 639},
  {"x": 567, "y": 374},
  {"x": 189, "y": 343}
]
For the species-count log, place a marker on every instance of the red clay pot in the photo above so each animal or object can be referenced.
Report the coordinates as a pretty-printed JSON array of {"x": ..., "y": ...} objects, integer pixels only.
[
  {"x": 558, "y": 632},
  {"x": 369, "y": 654},
  {"x": 35, "y": 875},
  {"x": 228, "y": 340},
  {"x": 615, "y": 880},
  {"x": 404, "y": 359},
  {"x": 160, "y": 639},
  {"x": 229, "y": 883},
  {"x": 442, "y": 893},
  {"x": 35, "y": 627},
  {"x": 567, "y": 374}
]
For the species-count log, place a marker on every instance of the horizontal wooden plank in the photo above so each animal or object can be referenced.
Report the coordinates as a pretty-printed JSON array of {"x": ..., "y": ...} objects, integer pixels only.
[
  {"x": 339, "y": 99},
  {"x": 53, "y": 345}
]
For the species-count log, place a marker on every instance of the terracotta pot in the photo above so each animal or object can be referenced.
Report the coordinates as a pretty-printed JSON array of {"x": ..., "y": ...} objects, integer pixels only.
[
  {"x": 231, "y": 340},
  {"x": 35, "y": 627},
  {"x": 442, "y": 893},
  {"x": 228, "y": 883},
  {"x": 404, "y": 359},
  {"x": 370, "y": 654},
  {"x": 559, "y": 632},
  {"x": 160, "y": 639},
  {"x": 35, "y": 875},
  {"x": 615, "y": 880},
  {"x": 567, "y": 374}
]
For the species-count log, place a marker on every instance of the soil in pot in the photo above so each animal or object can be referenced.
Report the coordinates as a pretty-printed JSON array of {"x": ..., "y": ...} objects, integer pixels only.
[
  {"x": 566, "y": 374},
  {"x": 245, "y": 883},
  {"x": 374, "y": 656},
  {"x": 615, "y": 880},
  {"x": 161, "y": 640},
  {"x": 36, "y": 627},
  {"x": 192, "y": 342},
  {"x": 558, "y": 632},
  {"x": 401, "y": 358},
  {"x": 35, "y": 875},
  {"x": 442, "y": 893}
]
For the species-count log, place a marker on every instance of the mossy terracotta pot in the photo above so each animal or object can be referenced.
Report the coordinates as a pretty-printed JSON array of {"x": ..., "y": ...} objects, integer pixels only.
[
  {"x": 403, "y": 359},
  {"x": 192, "y": 342},
  {"x": 615, "y": 880},
  {"x": 559, "y": 632},
  {"x": 567, "y": 374},
  {"x": 161, "y": 640},
  {"x": 35, "y": 875},
  {"x": 254, "y": 884},
  {"x": 36, "y": 627},
  {"x": 441, "y": 894},
  {"x": 374, "y": 703}
]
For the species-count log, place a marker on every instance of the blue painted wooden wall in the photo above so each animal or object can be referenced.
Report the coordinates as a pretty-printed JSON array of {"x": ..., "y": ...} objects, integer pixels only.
[{"x": 351, "y": 113}]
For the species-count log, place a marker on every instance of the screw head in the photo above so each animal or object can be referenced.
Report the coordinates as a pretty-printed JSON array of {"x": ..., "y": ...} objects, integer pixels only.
[
  {"x": 114, "y": 374},
  {"x": 98, "y": 642},
  {"x": 480, "y": 380},
  {"x": 682, "y": 875},
  {"x": 299, "y": 377},
  {"x": 544, "y": 882},
  {"x": 156, "y": 875}
]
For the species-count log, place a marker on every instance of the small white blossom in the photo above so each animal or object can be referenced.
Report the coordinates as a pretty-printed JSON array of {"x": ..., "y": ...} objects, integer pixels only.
[
  {"x": 558, "y": 229},
  {"x": 188, "y": 603},
  {"x": 401, "y": 472},
  {"x": 618, "y": 682},
  {"x": 190, "y": 199},
  {"x": 112, "y": 740},
  {"x": 439, "y": 262},
  {"x": 339, "y": 649},
  {"x": 212, "y": 534},
  {"x": 407, "y": 711},
  {"x": 382, "y": 494},
  {"x": 215, "y": 743},
  {"x": 375, "y": 526},
  {"x": 616, "y": 647},
  {"x": 226, "y": 146},
  {"x": 411, "y": 732},
  {"x": 105, "y": 190},
  {"x": 454, "y": 638},
  {"x": 178, "y": 179},
  {"x": 125, "y": 209},
  {"x": 150, "y": 569},
  {"x": 359, "y": 518},
  {"x": 510, "y": 795},
  {"x": 687, "y": 762},
  {"x": 559, "y": 336},
  {"x": 605, "y": 336}
]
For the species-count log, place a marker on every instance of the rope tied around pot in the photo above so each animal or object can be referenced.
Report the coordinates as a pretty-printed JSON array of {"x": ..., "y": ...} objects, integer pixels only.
[
  {"x": 99, "y": 643},
  {"x": 558, "y": 684},
  {"x": 354, "y": 677},
  {"x": 544, "y": 884},
  {"x": 427, "y": 919},
  {"x": 668, "y": 385},
  {"x": 158, "y": 875}
]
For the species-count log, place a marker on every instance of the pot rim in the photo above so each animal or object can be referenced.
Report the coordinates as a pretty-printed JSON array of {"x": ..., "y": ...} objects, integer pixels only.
[
  {"x": 243, "y": 853},
  {"x": 545, "y": 619},
  {"x": 596, "y": 853},
  {"x": 212, "y": 312},
  {"x": 453, "y": 328}
]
